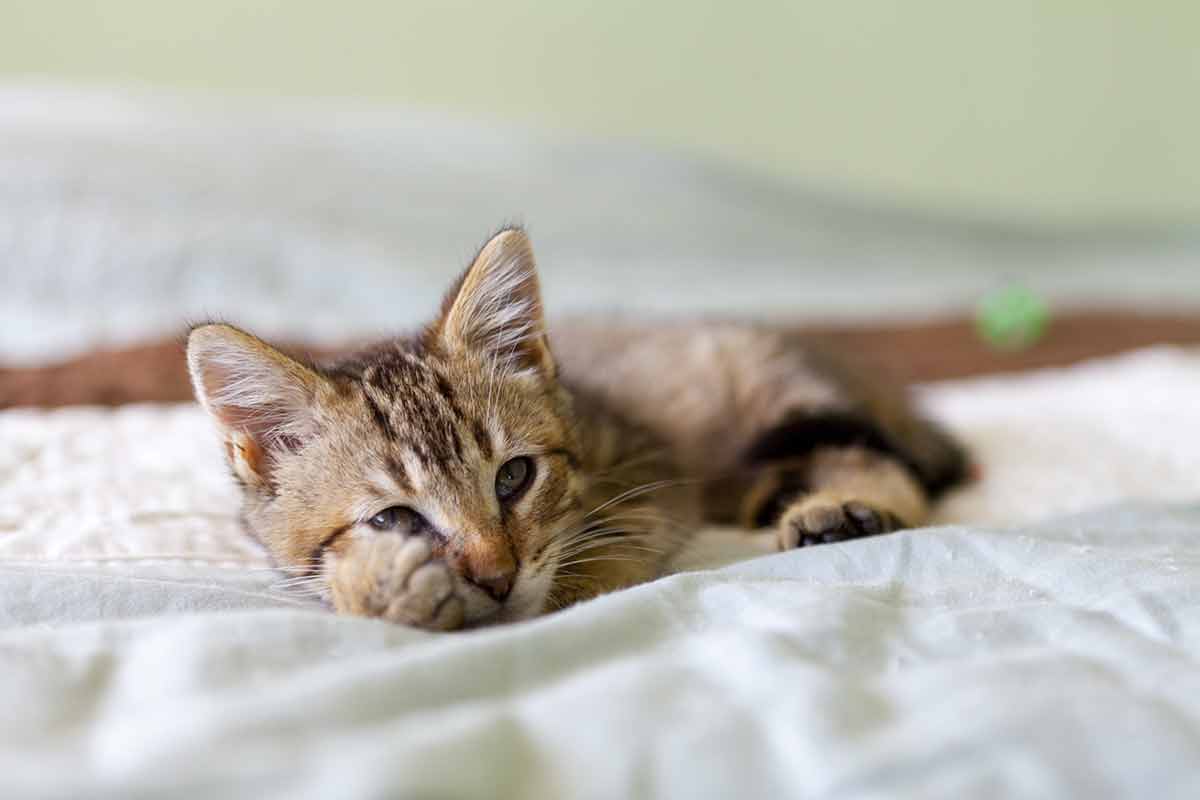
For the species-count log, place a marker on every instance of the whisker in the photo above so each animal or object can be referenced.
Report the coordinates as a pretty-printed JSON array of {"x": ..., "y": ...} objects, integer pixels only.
[
  {"x": 596, "y": 540},
  {"x": 605, "y": 542},
  {"x": 617, "y": 547},
  {"x": 623, "y": 559},
  {"x": 637, "y": 491},
  {"x": 646, "y": 516},
  {"x": 300, "y": 579},
  {"x": 303, "y": 591},
  {"x": 592, "y": 532},
  {"x": 302, "y": 588},
  {"x": 286, "y": 567}
]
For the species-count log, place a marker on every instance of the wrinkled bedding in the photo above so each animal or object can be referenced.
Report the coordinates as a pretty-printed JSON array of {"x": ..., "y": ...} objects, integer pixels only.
[
  {"x": 1010, "y": 651},
  {"x": 1051, "y": 660}
]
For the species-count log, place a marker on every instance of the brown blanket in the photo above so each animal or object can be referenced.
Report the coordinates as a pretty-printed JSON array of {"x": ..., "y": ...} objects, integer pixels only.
[{"x": 926, "y": 351}]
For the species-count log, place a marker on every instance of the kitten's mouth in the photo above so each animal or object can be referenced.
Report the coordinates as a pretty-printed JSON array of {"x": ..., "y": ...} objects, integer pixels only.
[{"x": 523, "y": 602}]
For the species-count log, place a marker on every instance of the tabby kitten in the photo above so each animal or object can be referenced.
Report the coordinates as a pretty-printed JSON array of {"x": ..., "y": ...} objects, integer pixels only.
[{"x": 471, "y": 474}]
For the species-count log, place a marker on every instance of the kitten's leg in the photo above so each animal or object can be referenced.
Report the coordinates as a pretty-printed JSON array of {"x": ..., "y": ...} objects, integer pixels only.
[
  {"x": 395, "y": 578},
  {"x": 834, "y": 494}
]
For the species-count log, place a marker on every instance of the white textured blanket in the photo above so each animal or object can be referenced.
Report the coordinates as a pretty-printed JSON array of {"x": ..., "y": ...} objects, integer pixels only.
[
  {"x": 1056, "y": 659},
  {"x": 1052, "y": 661}
]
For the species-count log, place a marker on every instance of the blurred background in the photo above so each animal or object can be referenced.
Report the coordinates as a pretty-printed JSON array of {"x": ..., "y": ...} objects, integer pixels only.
[
  {"x": 289, "y": 164},
  {"x": 1045, "y": 110}
]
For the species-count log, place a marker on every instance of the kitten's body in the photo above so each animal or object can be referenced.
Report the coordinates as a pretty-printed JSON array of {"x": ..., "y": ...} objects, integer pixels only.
[{"x": 631, "y": 435}]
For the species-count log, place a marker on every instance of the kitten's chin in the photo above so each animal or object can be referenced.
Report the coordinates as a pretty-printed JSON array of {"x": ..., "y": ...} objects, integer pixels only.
[{"x": 507, "y": 613}]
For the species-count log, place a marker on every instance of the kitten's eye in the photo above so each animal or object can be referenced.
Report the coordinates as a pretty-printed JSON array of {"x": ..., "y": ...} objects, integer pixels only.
[
  {"x": 513, "y": 476},
  {"x": 397, "y": 518}
]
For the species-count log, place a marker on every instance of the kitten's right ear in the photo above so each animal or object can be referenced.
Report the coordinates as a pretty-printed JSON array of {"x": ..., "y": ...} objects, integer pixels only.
[{"x": 262, "y": 400}]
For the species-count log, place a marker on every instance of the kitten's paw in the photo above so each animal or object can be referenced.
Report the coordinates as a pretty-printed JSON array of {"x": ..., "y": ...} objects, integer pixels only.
[
  {"x": 821, "y": 520},
  {"x": 397, "y": 578}
]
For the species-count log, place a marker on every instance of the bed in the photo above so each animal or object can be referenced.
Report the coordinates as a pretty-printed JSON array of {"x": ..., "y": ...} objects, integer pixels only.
[{"x": 1040, "y": 639}]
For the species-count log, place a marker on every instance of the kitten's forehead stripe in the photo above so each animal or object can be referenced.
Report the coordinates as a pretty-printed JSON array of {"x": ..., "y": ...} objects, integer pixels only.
[
  {"x": 482, "y": 439},
  {"x": 434, "y": 434},
  {"x": 414, "y": 402},
  {"x": 447, "y": 391},
  {"x": 381, "y": 379},
  {"x": 380, "y": 417},
  {"x": 396, "y": 470}
]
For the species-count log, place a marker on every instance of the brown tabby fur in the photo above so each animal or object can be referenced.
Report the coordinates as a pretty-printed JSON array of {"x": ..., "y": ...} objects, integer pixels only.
[{"x": 637, "y": 434}]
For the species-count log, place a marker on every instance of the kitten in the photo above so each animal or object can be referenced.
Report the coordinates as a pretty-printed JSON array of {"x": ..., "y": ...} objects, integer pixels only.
[{"x": 474, "y": 474}]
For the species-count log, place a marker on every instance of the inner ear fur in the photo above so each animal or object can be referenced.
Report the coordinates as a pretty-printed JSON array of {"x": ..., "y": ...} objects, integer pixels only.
[
  {"x": 262, "y": 400},
  {"x": 495, "y": 308}
]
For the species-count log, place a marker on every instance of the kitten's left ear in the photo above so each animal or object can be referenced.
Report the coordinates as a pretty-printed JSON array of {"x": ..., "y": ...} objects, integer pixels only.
[{"x": 496, "y": 307}]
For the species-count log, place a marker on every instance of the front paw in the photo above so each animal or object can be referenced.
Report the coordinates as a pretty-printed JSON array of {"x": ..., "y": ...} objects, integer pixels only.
[
  {"x": 396, "y": 578},
  {"x": 818, "y": 520}
]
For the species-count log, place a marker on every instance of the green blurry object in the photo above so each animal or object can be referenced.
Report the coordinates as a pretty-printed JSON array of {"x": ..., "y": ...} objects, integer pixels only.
[{"x": 1012, "y": 319}]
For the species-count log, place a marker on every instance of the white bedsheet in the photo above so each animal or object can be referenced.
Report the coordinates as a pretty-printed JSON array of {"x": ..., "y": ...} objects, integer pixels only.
[{"x": 1056, "y": 659}]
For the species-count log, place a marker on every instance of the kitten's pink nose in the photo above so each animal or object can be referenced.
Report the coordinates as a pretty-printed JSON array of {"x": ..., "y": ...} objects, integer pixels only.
[
  {"x": 488, "y": 563},
  {"x": 498, "y": 585}
]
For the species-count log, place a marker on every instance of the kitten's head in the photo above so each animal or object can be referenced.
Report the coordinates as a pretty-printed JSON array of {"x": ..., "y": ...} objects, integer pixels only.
[{"x": 460, "y": 434}]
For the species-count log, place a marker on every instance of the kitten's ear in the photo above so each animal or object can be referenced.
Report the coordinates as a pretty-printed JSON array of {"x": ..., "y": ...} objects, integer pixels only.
[
  {"x": 262, "y": 401},
  {"x": 496, "y": 307}
]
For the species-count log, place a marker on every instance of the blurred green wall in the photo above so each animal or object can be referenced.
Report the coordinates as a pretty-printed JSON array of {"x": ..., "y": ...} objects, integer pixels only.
[{"x": 1062, "y": 110}]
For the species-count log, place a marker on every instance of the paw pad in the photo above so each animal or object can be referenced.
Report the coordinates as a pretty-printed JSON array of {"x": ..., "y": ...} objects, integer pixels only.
[{"x": 809, "y": 523}]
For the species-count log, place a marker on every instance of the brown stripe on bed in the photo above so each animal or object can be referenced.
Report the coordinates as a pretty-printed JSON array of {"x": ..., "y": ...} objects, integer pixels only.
[{"x": 913, "y": 351}]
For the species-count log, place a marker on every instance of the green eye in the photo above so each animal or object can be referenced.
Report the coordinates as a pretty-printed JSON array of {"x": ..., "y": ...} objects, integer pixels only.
[{"x": 513, "y": 477}]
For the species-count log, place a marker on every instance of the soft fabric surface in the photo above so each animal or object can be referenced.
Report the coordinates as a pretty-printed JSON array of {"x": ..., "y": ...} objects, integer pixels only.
[{"x": 1052, "y": 659}]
